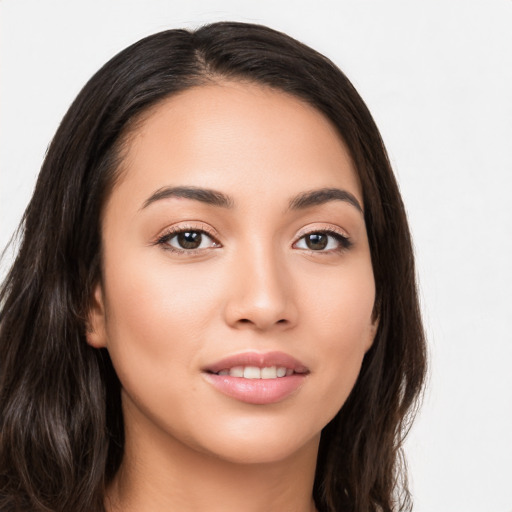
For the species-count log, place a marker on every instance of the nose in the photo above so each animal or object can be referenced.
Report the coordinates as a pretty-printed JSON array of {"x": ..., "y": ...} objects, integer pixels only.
[{"x": 261, "y": 293}]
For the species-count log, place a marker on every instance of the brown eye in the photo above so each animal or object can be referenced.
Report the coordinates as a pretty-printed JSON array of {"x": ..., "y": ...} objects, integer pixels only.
[
  {"x": 189, "y": 239},
  {"x": 316, "y": 241}
]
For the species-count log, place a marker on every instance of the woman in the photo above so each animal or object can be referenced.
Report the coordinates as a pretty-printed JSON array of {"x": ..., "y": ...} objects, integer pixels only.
[{"x": 213, "y": 306}]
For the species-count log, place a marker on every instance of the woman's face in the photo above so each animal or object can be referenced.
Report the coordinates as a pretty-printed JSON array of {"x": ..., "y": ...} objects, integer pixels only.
[{"x": 237, "y": 294}]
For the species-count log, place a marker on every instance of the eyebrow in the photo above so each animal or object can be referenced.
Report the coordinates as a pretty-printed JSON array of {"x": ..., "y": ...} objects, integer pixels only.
[
  {"x": 215, "y": 198},
  {"x": 207, "y": 196},
  {"x": 322, "y": 196}
]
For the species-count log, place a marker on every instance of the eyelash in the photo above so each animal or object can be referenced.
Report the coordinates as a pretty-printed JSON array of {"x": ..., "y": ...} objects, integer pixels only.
[{"x": 344, "y": 242}]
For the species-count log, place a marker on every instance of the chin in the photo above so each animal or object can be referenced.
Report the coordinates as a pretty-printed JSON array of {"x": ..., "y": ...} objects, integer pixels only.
[{"x": 260, "y": 446}]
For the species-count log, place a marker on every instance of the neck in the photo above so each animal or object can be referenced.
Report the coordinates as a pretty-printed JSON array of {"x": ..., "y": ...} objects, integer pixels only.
[{"x": 160, "y": 473}]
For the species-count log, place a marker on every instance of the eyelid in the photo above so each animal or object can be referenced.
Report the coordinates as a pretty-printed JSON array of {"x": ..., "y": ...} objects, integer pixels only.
[{"x": 322, "y": 227}]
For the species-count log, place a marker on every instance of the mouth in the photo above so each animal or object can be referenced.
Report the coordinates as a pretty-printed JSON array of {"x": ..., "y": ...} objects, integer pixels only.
[
  {"x": 257, "y": 378},
  {"x": 254, "y": 372}
]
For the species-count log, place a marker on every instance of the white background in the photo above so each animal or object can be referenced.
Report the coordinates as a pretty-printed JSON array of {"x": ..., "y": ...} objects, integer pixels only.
[{"x": 437, "y": 76}]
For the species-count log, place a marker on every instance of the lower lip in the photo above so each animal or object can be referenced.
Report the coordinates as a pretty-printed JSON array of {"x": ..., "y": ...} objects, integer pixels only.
[{"x": 256, "y": 391}]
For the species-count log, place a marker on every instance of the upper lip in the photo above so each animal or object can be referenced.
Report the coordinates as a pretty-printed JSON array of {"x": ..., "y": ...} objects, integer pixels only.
[{"x": 258, "y": 359}]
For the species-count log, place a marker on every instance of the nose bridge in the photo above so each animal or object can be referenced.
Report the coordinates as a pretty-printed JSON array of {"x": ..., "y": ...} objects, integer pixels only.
[{"x": 261, "y": 288}]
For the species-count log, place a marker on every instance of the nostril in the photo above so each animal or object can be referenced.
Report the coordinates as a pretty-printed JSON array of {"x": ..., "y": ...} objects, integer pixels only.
[{"x": 247, "y": 321}]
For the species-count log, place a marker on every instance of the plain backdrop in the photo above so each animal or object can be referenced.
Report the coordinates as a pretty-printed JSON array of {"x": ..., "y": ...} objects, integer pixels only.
[{"x": 437, "y": 77}]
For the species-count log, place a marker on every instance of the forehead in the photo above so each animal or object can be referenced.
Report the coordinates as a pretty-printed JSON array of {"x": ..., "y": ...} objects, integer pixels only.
[{"x": 242, "y": 138}]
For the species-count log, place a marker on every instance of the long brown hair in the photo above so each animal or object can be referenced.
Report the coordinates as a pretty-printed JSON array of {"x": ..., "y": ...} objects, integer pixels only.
[{"x": 61, "y": 426}]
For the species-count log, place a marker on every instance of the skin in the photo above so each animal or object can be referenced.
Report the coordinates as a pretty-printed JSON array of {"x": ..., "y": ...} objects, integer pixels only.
[{"x": 253, "y": 286}]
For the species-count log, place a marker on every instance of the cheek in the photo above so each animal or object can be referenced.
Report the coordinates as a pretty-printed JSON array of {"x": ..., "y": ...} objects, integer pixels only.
[
  {"x": 158, "y": 316},
  {"x": 341, "y": 303},
  {"x": 339, "y": 313},
  {"x": 155, "y": 320},
  {"x": 157, "y": 297}
]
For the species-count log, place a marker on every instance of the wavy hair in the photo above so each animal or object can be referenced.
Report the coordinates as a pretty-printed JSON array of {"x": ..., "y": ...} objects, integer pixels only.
[{"x": 61, "y": 426}]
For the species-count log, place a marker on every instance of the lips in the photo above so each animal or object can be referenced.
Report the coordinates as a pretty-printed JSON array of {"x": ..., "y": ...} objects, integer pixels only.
[{"x": 257, "y": 378}]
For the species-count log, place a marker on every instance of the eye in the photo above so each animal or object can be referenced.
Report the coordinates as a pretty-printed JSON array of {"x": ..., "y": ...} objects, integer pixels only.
[
  {"x": 186, "y": 239},
  {"x": 323, "y": 241}
]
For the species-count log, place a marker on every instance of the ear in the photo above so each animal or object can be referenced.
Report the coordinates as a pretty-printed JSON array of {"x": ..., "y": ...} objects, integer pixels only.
[
  {"x": 372, "y": 331},
  {"x": 96, "y": 333}
]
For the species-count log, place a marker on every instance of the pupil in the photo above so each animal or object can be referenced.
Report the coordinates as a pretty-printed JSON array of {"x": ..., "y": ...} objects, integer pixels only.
[
  {"x": 189, "y": 240},
  {"x": 316, "y": 241}
]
